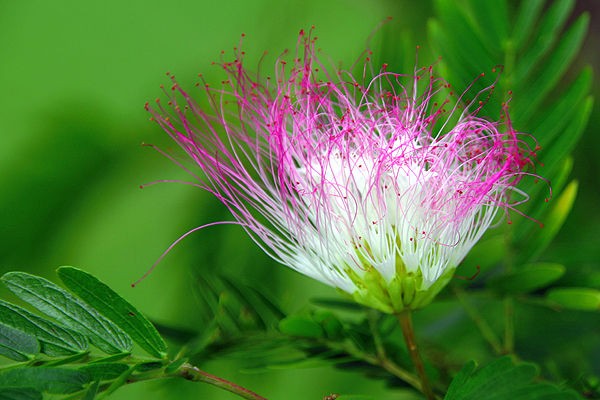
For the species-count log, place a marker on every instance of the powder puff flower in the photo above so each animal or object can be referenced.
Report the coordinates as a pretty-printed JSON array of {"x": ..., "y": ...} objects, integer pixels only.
[{"x": 369, "y": 185}]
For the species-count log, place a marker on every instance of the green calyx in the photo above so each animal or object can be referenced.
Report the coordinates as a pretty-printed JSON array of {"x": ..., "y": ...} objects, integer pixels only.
[{"x": 404, "y": 292}]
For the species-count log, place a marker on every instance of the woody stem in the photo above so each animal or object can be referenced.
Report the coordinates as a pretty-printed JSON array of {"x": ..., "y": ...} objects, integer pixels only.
[{"x": 405, "y": 319}]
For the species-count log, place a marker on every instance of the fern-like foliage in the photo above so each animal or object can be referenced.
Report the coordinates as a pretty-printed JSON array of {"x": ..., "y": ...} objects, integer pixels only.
[{"x": 533, "y": 48}]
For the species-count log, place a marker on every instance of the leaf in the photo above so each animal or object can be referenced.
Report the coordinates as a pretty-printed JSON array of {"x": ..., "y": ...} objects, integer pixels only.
[
  {"x": 330, "y": 324},
  {"x": 115, "y": 308},
  {"x": 486, "y": 254},
  {"x": 526, "y": 17},
  {"x": 536, "y": 55},
  {"x": 174, "y": 366},
  {"x": 20, "y": 394},
  {"x": 503, "y": 380},
  {"x": 490, "y": 21},
  {"x": 113, "y": 358},
  {"x": 17, "y": 345},
  {"x": 300, "y": 326},
  {"x": 342, "y": 305},
  {"x": 527, "y": 278},
  {"x": 584, "y": 299},
  {"x": 148, "y": 366},
  {"x": 104, "y": 371},
  {"x": 64, "y": 307},
  {"x": 553, "y": 69},
  {"x": 547, "y": 33},
  {"x": 553, "y": 220},
  {"x": 55, "y": 340},
  {"x": 51, "y": 380},
  {"x": 92, "y": 391},
  {"x": 79, "y": 357}
]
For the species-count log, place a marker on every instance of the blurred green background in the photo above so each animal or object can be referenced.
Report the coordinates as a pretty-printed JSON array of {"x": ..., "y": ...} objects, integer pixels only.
[{"x": 75, "y": 76}]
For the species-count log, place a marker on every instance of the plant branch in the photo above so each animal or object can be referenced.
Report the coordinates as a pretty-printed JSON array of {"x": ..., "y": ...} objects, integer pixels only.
[
  {"x": 509, "y": 325},
  {"x": 486, "y": 330},
  {"x": 383, "y": 362},
  {"x": 405, "y": 319},
  {"x": 195, "y": 374},
  {"x": 372, "y": 317}
]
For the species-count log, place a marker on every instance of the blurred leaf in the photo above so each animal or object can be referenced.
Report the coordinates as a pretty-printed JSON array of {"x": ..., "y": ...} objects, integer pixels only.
[
  {"x": 585, "y": 299},
  {"x": 20, "y": 394},
  {"x": 546, "y": 34},
  {"x": 535, "y": 54},
  {"x": 295, "y": 325},
  {"x": 526, "y": 18},
  {"x": 17, "y": 345},
  {"x": 104, "y": 371},
  {"x": 51, "y": 380},
  {"x": 486, "y": 254},
  {"x": 330, "y": 324},
  {"x": 555, "y": 65},
  {"x": 343, "y": 305},
  {"x": 64, "y": 307},
  {"x": 503, "y": 380},
  {"x": 148, "y": 366},
  {"x": 554, "y": 219},
  {"x": 174, "y": 366},
  {"x": 527, "y": 278},
  {"x": 55, "y": 340},
  {"x": 114, "y": 307}
]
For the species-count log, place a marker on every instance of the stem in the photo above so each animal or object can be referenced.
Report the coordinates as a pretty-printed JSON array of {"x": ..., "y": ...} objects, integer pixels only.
[
  {"x": 194, "y": 374},
  {"x": 405, "y": 319},
  {"x": 509, "y": 325},
  {"x": 385, "y": 363},
  {"x": 486, "y": 330},
  {"x": 379, "y": 348}
]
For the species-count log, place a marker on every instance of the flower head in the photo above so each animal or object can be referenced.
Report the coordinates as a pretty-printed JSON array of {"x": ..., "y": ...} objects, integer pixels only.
[{"x": 362, "y": 185}]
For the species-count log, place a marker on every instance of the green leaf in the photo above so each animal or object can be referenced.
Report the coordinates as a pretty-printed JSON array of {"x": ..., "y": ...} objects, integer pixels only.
[
  {"x": 526, "y": 17},
  {"x": 503, "y": 380},
  {"x": 584, "y": 299},
  {"x": 553, "y": 220},
  {"x": 553, "y": 69},
  {"x": 458, "y": 48},
  {"x": 51, "y": 380},
  {"x": 92, "y": 391},
  {"x": 545, "y": 36},
  {"x": 79, "y": 357},
  {"x": 104, "y": 371},
  {"x": 570, "y": 130},
  {"x": 342, "y": 305},
  {"x": 300, "y": 326},
  {"x": 527, "y": 278},
  {"x": 55, "y": 340},
  {"x": 174, "y": 366},
  {"x": 486, "y": 254},
  {"x": 72, "y": 312},
  {"x": 460, "y": 380},
  {"x": 490, "y": 21},
  {"x": 113, "y": 358},
  {"x": 17, "y": 345},
  {"x": 566, "y": 107},
  {"x": 330, "y": 324},
  {"x": 115, "y": 308},
  {"x": 20, "y": 394}
]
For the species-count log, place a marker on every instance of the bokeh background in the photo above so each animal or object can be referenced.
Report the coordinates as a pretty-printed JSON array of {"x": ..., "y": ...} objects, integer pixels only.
[{"x": 74, "y": 77}]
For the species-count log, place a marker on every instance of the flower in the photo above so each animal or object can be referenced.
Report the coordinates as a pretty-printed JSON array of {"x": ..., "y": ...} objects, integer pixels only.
[{"x": 372, "y": 188}]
